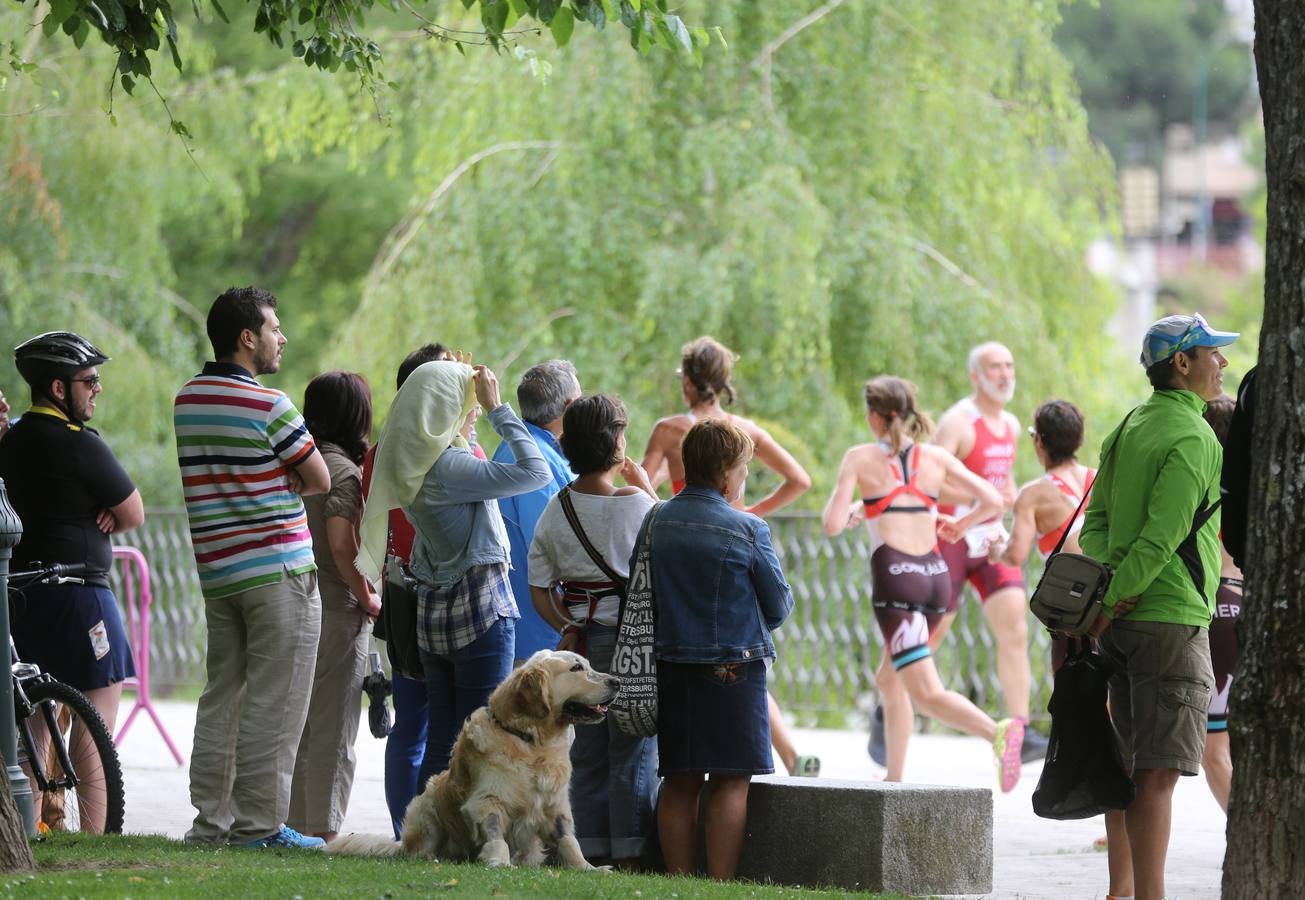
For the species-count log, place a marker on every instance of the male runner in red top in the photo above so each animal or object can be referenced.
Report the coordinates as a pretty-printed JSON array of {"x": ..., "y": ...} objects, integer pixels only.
[{"x": 982, "y": 434}]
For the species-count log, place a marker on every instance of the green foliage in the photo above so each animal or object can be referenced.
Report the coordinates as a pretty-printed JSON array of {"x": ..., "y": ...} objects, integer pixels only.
[
  {"x": 1137, "y": 65},
  {"x": 332, "y": 34},
  {"x": 873, "y": 192}
]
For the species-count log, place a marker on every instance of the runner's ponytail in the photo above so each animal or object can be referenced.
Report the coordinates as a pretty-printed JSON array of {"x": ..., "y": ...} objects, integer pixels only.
[{"x": 894, "y": 399}]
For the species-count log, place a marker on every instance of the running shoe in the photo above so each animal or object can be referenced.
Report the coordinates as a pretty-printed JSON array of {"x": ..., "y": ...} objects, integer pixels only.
[
  {"x": 877, "y": 749},
  {"x": 1006, "y": 745},
  {"x": 286, "y": 838},
  {"x": 1034, "y": 747},
  {"x": 806, "y": 766}
]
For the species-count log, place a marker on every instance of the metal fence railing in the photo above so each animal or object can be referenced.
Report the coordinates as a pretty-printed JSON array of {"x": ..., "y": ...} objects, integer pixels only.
[{"x": 827, "y": 651}]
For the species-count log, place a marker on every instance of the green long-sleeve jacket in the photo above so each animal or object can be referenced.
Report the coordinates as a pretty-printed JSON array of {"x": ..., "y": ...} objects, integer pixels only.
[{"x": 1164, "y": 473}]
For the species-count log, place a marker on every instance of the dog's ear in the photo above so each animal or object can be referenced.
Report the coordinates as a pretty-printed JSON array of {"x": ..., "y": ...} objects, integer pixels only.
[{"x": 530, "y": 700}]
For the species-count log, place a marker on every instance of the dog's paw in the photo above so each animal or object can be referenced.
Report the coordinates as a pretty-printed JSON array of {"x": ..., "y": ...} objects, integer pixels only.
[
  {"x": 496, "y": 854},
  {"x": 604, "y": 869}
]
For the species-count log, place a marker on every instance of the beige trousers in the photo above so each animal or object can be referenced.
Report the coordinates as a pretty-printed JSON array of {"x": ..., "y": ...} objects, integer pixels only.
[
  {"x": 262, "y": 648},
  {"x": 323, "y": 776}
]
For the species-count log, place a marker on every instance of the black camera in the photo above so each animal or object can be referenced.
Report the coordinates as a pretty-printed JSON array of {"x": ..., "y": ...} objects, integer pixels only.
[{"x": 377, "y": 687}]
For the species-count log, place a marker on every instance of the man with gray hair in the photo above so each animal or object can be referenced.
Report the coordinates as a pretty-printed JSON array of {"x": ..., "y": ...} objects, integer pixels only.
[{"x": 545, "y": 391}]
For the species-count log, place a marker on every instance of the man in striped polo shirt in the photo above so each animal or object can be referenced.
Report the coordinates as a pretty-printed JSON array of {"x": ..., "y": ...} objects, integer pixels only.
[{"x": 246, "y": 459}]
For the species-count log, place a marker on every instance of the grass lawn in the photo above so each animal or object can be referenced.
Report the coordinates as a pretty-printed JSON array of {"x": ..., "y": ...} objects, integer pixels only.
[{"x": 136, "y": 866}]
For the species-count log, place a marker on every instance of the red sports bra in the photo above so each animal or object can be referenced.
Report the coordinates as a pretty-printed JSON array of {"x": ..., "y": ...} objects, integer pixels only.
[{"x": 908, "y": 460}]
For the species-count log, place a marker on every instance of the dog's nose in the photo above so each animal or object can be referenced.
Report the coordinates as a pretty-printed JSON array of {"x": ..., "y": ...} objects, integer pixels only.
[{"x": 613, "y": 683}]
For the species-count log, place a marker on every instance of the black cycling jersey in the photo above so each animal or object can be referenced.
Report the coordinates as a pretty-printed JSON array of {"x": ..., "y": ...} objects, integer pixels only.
[{"x": 59, "y": 476}]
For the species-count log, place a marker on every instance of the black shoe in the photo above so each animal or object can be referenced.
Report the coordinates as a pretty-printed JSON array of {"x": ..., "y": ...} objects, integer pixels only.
[
  {"x": 1034, "y": 747},
  {"x": 877, "y": 750}
]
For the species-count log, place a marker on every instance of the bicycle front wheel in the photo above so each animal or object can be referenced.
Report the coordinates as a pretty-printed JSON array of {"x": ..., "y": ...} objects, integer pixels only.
[{"x": 81, "y": 754}]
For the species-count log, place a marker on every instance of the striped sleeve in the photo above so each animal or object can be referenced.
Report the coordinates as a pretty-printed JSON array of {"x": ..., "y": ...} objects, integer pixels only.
[{"x": 287, "y": 432}]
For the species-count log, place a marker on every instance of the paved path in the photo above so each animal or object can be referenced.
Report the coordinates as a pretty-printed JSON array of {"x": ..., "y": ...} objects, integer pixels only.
[{"x": 1035, "y": 858}]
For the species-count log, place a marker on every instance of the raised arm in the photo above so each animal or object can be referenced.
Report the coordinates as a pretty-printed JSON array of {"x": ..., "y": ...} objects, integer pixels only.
[
  {"x": 796, "y": 481},
  {"x": 467, "y": 479}
]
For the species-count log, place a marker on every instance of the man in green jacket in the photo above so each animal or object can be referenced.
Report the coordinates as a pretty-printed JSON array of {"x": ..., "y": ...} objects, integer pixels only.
[{"x": 1154, "y": 520}]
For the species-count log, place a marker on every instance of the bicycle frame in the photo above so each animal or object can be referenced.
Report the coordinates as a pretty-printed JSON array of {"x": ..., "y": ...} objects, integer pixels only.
[
  {"x": 24, "y": 708},
  {"x": 28, "y": 673}
]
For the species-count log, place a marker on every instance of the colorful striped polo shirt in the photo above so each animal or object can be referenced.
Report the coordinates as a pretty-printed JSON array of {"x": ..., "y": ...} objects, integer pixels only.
[{"x": 236, "y": 442}]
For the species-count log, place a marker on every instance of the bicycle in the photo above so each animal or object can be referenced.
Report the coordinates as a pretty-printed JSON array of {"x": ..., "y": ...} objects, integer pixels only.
[{"x": 79, "y": 770}]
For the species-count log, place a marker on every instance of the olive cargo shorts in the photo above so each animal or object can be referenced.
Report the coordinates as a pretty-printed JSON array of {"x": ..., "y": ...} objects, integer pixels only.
[{"x": 1160, "y": 693}]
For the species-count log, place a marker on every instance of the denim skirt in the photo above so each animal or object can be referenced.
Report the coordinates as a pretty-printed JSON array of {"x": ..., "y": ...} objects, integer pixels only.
[
  {"x": 712, "y": 718},
  {"x": 74, "y": 632}
]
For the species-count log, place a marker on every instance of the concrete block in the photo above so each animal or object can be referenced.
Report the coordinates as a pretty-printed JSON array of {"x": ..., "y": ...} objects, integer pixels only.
[{"x": 869, "y": 836}]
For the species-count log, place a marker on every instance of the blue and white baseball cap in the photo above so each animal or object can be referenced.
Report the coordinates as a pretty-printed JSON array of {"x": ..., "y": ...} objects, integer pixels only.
[{"x": 1174, "y": 333}]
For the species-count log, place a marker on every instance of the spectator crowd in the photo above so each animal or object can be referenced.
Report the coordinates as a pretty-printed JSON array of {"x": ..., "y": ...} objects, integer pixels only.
[{"x": 309, "y": 541}]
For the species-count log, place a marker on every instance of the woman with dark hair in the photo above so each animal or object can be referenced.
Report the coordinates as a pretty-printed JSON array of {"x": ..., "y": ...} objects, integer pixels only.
[
  {"x": 1044, "y": 508},
  {"x": 613, "y": 774},
  {"x": 338, "y": 412},
  {"x": 898, "y": 478}
]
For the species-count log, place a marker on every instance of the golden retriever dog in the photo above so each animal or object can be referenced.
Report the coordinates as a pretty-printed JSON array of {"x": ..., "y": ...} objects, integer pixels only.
[{"x": 506, "y": 793}]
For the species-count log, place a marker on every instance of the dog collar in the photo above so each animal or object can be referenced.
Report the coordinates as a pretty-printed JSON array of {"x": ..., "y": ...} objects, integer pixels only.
[{"x": 529, "y": 739}]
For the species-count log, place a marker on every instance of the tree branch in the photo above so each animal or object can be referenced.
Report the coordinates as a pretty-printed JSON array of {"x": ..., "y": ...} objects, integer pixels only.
[
  {"x": 951, "y": 268},
  {"x": 559, "y": 313},
  {"x": 402, "y": 234},
  {"x": 179, "y": 302},
  {"x": 763, "y": 59}
]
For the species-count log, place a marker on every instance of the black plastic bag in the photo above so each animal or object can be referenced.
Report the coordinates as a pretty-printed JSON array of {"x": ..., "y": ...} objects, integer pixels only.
[{"x": 1084, "y": 774}]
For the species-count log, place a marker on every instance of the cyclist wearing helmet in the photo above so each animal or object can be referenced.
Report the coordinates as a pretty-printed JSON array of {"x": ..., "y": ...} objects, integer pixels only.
[{"x": 71, "y": 494}]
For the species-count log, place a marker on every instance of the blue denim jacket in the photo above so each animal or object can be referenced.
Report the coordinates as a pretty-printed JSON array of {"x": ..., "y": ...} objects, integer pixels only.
[
  {"x": 455, "y": 513},
  {"x": 717, "y": 583}
]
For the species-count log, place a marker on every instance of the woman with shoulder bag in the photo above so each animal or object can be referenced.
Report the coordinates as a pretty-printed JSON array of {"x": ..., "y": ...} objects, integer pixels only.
[{"x": 581, "y": 550}]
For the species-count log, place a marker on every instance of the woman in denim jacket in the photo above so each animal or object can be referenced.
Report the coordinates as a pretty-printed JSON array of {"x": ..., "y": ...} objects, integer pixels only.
[{"x": 719, "y": 592}]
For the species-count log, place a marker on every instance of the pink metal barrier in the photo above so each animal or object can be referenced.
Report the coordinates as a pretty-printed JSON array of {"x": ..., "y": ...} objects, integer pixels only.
[{"x": 135, "y": 572}]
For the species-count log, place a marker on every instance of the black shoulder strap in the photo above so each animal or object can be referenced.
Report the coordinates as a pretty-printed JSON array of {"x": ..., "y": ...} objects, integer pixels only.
[
  {"x": 568, "y": 507},
  {"x": 1087, "y": 493}
]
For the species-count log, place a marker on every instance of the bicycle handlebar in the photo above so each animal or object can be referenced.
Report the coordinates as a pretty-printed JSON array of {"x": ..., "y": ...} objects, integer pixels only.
[{"x": 46, "y": 571}]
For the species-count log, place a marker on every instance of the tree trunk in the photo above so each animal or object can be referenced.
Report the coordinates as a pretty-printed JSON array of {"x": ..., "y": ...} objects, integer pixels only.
[
  {"x": 1266, "y": 820},
  {"x": 15, "y": 851}
]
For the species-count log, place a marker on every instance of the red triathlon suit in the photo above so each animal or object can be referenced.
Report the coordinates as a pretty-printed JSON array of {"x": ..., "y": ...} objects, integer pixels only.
[
  {"x": 991, "y": 458},
  {"x": 909, "y": 593}
]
